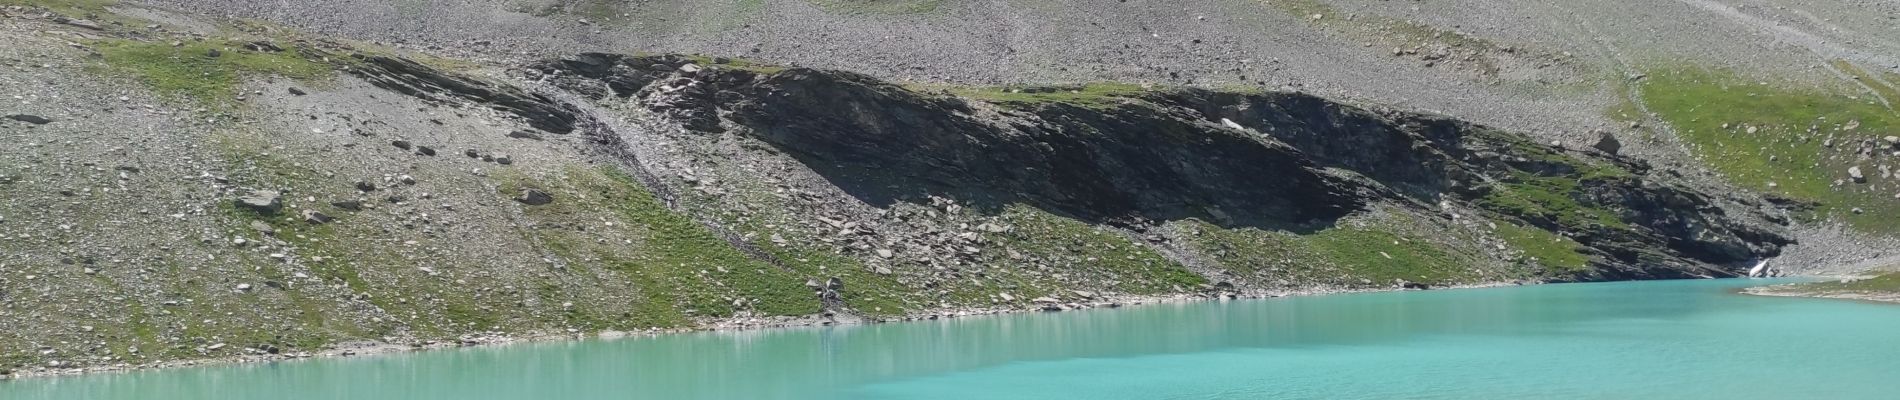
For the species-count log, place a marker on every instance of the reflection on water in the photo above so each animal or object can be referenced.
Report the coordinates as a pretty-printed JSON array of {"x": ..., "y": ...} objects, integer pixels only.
[{"x": 820, "y": 362}]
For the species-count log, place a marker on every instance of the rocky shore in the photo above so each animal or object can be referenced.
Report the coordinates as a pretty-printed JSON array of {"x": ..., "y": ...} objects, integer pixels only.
[{"x": 375, "y": 348}]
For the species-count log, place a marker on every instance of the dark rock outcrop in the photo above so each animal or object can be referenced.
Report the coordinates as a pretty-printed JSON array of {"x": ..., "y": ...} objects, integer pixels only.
[
  {"x": 1274, "y": 160},
  {"x": 415, "y": 79}
]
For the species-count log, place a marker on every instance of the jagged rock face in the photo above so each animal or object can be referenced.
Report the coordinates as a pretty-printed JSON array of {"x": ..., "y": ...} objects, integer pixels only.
[
  {"x": 1426, "y": 156},
  {"x": 414, "y": 79},
  {"x": 1146, "y": 162},
  {"x": 1404, "y": 152},
  {"x": 1274, "y": 160}
]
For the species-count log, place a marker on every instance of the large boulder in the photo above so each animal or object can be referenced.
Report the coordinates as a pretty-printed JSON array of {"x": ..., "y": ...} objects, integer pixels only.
[
  {"x": 535, "y": 197},
  {"x": 1607, "y": 143},
  {"x": 262, "y": 201}
]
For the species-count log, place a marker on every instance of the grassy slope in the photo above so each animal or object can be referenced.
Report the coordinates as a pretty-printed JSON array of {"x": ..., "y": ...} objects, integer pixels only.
[
  {"x": 681, "y": 268},
  {"x": 1370, "y": 251},
  {"x": 1888, "y": 283},
  {"x": 1800, "y": 144},
  {"x": 1093, "y": 95}
]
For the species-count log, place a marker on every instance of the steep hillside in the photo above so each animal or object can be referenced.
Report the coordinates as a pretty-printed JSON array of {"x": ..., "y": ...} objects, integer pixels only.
[{"x": 192, "y": 187}]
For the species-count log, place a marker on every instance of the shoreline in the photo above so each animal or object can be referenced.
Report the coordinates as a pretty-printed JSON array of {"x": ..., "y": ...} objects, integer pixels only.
[
  {"x": 355, "y": 349},
  {"x": 1795, "y": 290}
]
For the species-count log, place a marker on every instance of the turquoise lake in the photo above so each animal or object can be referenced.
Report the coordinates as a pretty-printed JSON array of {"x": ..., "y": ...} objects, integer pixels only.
[{"x": 1649, "y": 340}]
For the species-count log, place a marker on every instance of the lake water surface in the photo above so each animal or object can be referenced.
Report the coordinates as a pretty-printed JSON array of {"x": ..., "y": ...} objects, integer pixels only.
[{"x": 1660, "y": 340}]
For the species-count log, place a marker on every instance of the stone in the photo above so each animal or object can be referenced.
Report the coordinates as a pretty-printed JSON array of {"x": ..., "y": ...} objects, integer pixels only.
[
  {"x": 1607, "y": 143},
  {"x": 315, "y": 217},
  {"x": 264, "y": 228},
  {"x": 471, "y": 153},
  {"x": 365, "y": 186},
  {"x": 535, "y": 197},
  {"x": 885, "y": 253},
  {"x": 262, "y": 201},
  {"x": 83, "y": 23},
  {"x": 1854, "y": 173},
  {"x": 406, "y": 180},
  {"x": 351, "y": 205},
  {"x": 296, "y": 91},
  {"x": 1045, "y": 300},
  {"x": 524, "y": 135},
  {"x": 425, "y": 150},
  {"x": 244, "y": 287},
  {"x": 504, "y": 160},
  {"x": 263, "y": 46},
  {"x": 214, "y": 53},
  {"x": 402, "y": 144},
  {"x": 31, "y": 119}
]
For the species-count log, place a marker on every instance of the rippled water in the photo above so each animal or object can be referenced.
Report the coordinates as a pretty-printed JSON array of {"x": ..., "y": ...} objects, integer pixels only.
[{"x": 1675, "y": 340}]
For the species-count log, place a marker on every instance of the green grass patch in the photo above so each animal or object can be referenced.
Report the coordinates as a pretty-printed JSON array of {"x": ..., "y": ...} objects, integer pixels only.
[
  {"x": 190, "y": 71},
  {"x": 1551, "y": 199},
  {"x": 1093, "y": 95},
  {"x": 1796, "y": 139},
  {"x": 1546, "y": 185},
  {"x": 736, "y": 63},
  {"x": 1379, "y": 252},
  {"x": 677, "y": 264},
  {"x": 1557, "y": 254},
  {"x": 1385, "y": 257},
  {"x": 1097, "y": 253},
  {"x": 1884, "y": 283}
]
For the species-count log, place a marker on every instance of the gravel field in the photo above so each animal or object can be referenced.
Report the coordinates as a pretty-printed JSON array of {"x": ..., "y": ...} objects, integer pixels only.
[{"x": 1340, "y": 52}]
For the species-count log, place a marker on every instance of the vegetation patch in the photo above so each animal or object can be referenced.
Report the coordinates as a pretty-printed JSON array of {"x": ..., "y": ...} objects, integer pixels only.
[
  {"x": 1790, "y": 142},
  {"x": 1551, "y": 253},
  {"x": 1093, "y": 95},
  {"x": 206, "y": 71},
  {"x": 866, "y": 291},
  {"x": 736, "y": 63},
  {"x": 1081, "y": 250},
  {"x": 1376, "y": 252},
  {"x": 1888, "y": 283},
  {"x": 1548, "y": 198},
  {"x": 678, "y": 264},
  {"x": 1546, "y": 186}
]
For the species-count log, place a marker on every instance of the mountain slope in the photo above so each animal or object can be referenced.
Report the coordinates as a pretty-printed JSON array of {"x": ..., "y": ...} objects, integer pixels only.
[{"x": 193, "y": 187}]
